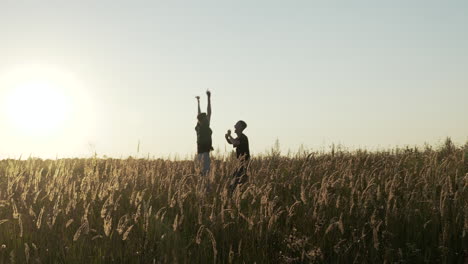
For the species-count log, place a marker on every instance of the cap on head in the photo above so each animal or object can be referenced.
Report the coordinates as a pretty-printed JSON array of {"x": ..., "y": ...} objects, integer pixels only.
[{"x": 242, "y": 124}]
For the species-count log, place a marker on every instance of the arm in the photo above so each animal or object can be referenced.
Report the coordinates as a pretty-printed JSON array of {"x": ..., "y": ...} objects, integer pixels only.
[
  {"x": 208, "y": 111},
  {"x": 231, "y": 140},
  {"x": 198, "y": 101},
  {"x": 227, "y": 139},
  {"x": 234, "y": 141}
]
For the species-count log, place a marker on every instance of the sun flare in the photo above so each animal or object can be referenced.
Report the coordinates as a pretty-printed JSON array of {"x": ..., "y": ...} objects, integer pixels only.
[
  {"x": 37, "y": 107},
  {"x": 42, "y": 101}
]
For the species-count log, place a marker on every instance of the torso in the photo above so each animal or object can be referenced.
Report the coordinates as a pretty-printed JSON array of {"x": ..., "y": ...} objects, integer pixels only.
[
  {"x": 204, "y": 142},
  {"x": 243, "y": 148}
]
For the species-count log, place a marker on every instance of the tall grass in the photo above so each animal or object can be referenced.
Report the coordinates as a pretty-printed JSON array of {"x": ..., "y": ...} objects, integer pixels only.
[{"x": 402, "y": 205}]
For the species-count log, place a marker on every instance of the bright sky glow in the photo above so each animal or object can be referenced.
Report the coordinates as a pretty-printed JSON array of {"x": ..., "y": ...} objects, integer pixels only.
[
  {"x": 363, "y": 73},
  {"x": 37, "y": 108},
  {"x": 34, "y": 105},
  {"x": 43, "y": 108}
]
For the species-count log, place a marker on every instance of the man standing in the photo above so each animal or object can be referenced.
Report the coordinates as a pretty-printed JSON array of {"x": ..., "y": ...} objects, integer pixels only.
[
  {"x": 204, "y": 142},
  {"x": 241, "y": 143}
]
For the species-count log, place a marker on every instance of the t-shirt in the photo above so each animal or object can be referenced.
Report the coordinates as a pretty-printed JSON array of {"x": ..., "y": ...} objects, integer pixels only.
[
  {"x": 243, "y": 148},
  {"x": 204, "y": 143}
]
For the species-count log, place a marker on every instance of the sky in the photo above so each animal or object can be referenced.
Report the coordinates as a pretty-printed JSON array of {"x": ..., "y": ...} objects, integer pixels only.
[{"x": 363, "y": 74}]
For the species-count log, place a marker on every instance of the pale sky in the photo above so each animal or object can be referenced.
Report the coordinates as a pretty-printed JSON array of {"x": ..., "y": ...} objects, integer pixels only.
[{"x": 373, "y": 74}]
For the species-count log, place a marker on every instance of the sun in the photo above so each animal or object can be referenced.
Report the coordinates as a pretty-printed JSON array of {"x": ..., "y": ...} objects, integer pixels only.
[
  {"x": 37, "y": 106},
  {"x": 46, "y": 110},
  {"x": 39, "y": 100}
]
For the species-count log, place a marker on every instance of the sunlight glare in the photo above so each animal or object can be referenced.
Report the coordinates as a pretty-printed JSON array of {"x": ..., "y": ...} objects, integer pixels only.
[
  {"x": 40, "y": 101},
  {"x": 37, "y": 107}
]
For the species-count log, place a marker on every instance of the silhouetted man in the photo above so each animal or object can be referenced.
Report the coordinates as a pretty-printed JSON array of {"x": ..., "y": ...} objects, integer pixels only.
[
  {"x": 241, "y": 143},
  {"x": 204, "y": 142}
]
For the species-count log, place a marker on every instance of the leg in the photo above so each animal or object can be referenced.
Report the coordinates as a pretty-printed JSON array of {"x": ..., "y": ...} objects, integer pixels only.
[
  {"x": 239, "y": 178},
  {"x": 206, "y": 163},
  {"x": 206, "y": 171},
  {"x": 198, "y": 162}
]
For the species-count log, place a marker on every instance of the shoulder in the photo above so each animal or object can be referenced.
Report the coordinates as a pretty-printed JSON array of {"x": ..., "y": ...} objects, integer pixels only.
[{"x": 244, "y": 138}]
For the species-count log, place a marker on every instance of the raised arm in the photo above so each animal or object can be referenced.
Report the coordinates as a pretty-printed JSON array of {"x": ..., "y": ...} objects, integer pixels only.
[
  {"x": 208, "y": 111},
  {"x": 198, "y": 101},
  {"x": 234, "y": 141},
  {"x": 227, "y": 139}
]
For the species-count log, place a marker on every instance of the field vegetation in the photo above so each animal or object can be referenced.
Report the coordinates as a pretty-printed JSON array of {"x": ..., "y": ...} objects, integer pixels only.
[{"x": 404, "y": 205}]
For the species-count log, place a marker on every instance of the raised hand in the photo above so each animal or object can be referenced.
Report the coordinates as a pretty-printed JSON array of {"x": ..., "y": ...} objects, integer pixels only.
[
  {"x": 198, "y": 101},
  {"x": 208, "y": 110}
]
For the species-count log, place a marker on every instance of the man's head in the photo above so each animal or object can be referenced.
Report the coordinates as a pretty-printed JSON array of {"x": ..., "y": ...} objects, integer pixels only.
[
  {"x": 240, "y": 126},
  {"x": 202, "y": 118}
]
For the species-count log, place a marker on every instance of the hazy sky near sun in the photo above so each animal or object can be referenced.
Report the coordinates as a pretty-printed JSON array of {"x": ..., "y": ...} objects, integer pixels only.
[{"x": 361, "y": 73}]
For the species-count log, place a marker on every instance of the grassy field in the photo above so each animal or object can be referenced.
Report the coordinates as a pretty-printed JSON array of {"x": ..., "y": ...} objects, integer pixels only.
[{"x": 402, "y": 205}]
